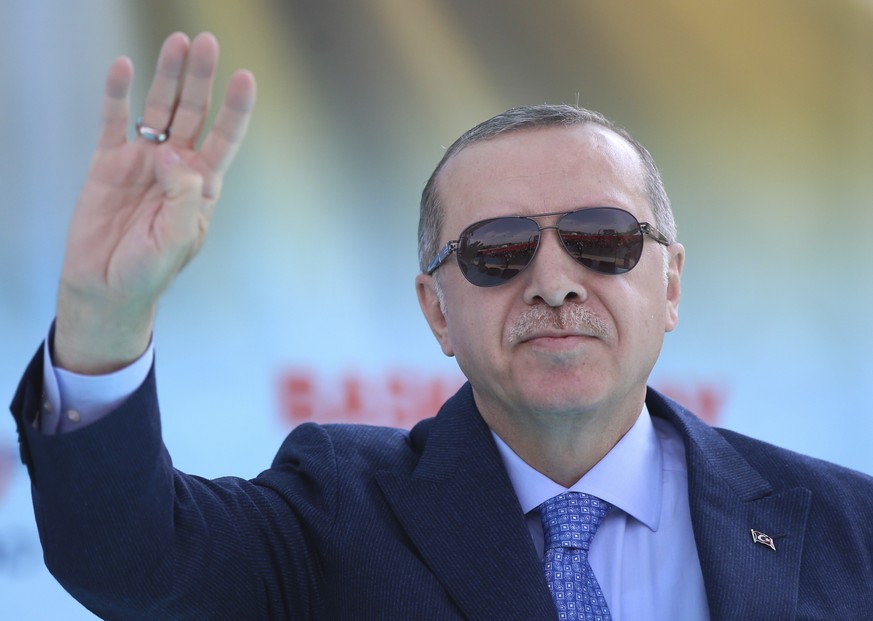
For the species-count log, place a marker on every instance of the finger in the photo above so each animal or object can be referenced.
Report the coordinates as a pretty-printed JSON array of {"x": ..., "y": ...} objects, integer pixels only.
[
  {"x": 193, "y": 106},
  {"x": 164, "y": 89},
  {"x": 115, "y": 109},
  {"x": 180, "y": 183},
  {"x": 224, "y": 139},
  {"x": 181, "y": 224}
]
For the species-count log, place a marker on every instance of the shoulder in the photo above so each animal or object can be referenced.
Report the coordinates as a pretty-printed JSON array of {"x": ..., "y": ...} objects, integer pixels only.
[
  {"x": 346, "y": 449},
  {"x": 369, "y": 448},
  {"x": 785, "y": 468},
  {"x": 840, "y": 499},
  {"x": 781, "y": 467}
]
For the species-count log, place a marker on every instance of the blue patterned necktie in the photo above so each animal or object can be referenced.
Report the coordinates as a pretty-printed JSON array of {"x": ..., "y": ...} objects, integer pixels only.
[{"x": 569, "y": 523}]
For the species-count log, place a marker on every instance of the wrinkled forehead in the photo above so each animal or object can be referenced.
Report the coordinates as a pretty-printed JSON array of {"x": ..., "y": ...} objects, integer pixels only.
[{"x": 539, "y": 170}]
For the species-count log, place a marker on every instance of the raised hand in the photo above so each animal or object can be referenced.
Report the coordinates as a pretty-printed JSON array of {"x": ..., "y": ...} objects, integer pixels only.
[{"x": 145, "y": 206}]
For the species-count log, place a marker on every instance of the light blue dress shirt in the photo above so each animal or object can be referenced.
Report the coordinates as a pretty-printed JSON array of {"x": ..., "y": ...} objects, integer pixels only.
[{"x": 644, "y": 554}]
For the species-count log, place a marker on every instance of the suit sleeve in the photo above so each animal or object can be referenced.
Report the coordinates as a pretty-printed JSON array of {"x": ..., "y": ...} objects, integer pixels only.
[{"x": 131, "y": 537}]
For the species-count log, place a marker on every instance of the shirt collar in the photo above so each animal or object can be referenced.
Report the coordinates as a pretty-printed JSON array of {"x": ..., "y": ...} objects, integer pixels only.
[{"x": 629, "y": 476}]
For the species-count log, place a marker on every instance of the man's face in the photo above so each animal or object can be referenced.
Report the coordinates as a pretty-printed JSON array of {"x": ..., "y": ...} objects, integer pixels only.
[{"x": 518, "y": 343}]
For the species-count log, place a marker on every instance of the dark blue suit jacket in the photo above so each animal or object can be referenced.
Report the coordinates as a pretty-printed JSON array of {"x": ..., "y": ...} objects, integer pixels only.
[{"x": 356, "y": 522}]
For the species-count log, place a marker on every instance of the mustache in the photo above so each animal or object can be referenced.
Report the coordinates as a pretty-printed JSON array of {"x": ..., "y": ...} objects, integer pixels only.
[{"x": 573, "y": 318}]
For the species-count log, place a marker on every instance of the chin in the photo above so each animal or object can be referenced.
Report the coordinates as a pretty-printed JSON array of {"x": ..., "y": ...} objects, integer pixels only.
[
  {"x": 587, "y": 387},
  {"x": 562, "y": 399}
]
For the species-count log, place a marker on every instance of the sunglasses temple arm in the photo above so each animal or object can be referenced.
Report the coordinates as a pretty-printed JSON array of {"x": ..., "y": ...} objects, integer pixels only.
[
  {"x": 654, "y": 233},
  {"x": 442, "y": 255}
]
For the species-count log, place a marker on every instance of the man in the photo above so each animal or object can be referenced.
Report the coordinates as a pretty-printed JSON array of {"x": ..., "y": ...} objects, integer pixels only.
[{"x": 565, "y": 277}]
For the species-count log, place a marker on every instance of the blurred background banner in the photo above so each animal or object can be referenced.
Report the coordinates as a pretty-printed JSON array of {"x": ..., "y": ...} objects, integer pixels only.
[{"x": 301, "y": 306}]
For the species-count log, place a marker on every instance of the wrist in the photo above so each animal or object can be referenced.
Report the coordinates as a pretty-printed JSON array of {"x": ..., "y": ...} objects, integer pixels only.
[{"x": 96, "y": 338}]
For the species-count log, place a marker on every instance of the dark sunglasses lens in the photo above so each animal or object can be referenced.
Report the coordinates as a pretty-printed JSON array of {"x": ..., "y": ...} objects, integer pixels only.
[
  {"x": 493, "y": 251},
  {"x": 604, "y": 239}
]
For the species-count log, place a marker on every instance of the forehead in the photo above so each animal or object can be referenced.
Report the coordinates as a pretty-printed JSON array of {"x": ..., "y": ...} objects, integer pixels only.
[{"x": 542, "y": 170}]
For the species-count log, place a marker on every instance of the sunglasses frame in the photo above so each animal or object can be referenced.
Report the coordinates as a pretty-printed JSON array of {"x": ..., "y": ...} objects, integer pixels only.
[{"x": 646, "y": 229}]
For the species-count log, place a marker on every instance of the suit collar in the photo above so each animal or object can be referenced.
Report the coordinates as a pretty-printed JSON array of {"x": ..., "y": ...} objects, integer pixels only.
[
  {"x": 487, "y": 564},
  {"x": 744, "y": 579}
]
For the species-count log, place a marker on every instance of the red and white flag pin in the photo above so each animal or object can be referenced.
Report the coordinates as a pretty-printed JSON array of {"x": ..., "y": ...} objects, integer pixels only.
[{"x": 764, "y": 539}]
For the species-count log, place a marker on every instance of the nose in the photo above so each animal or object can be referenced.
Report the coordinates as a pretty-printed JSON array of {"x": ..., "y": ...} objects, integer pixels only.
[{"x": 553, "y": 278}]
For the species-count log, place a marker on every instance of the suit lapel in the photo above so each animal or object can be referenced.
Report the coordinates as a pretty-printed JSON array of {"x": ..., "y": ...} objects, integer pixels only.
[
  {"x": 744, "y": 577},
  {"x": 461, "y": 512}
]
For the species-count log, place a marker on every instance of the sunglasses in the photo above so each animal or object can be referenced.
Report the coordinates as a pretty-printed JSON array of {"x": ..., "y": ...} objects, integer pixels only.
[{"x": 491, "y": 252}]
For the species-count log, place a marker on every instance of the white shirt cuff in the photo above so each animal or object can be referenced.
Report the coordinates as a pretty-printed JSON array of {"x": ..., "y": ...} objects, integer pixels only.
[{"x": 72, "y": 401}]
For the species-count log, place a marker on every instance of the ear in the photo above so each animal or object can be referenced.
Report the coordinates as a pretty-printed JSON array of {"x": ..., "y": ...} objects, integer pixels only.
[
  {"x": 430, "y": 306},
  {"x": 674, "y": 285}
]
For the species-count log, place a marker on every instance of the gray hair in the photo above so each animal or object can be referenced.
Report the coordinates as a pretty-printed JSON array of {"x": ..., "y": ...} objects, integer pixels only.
[{"x": 432, "y": 214}]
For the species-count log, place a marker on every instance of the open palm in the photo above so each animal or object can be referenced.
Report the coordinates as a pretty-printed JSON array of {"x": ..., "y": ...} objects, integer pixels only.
[{"x": 145, "y": 207}]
